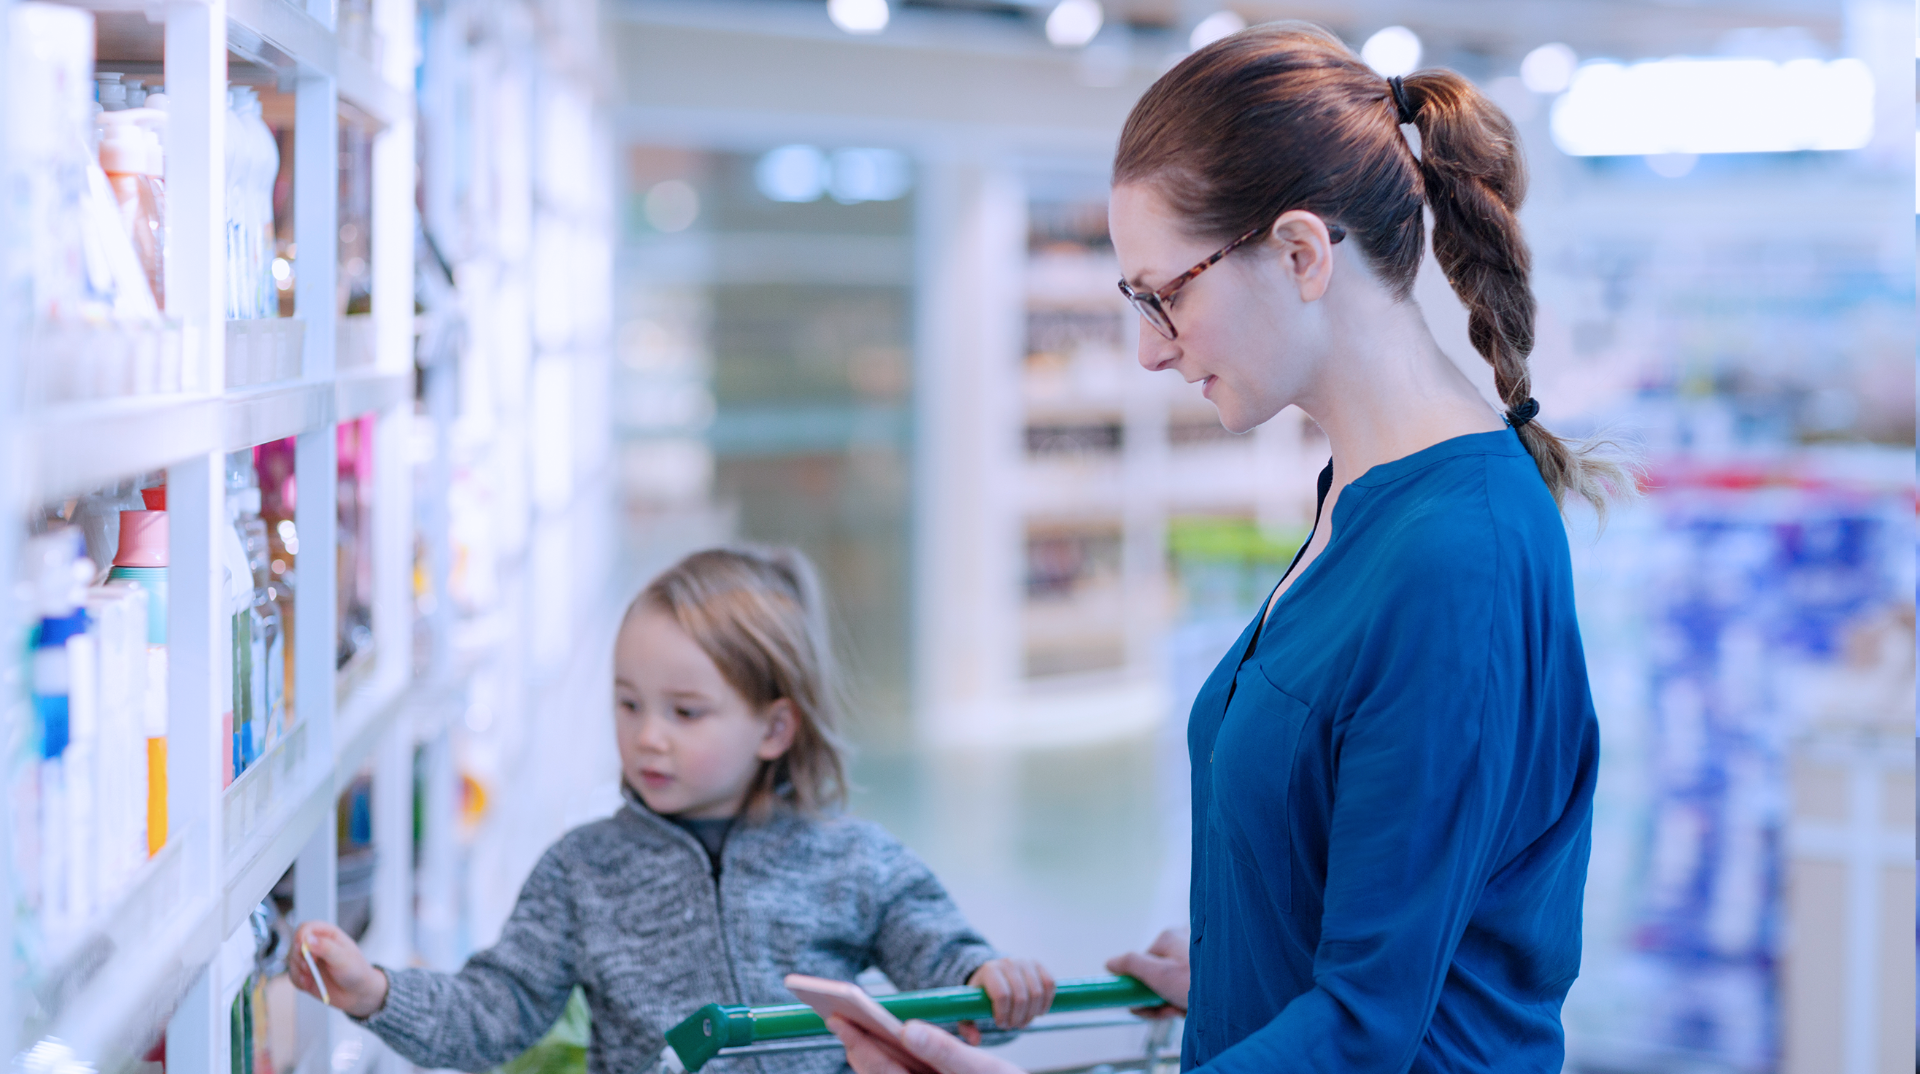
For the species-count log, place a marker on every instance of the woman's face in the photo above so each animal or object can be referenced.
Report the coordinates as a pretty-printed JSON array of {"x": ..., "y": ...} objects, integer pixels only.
[{"x": 1246, "y": 334}]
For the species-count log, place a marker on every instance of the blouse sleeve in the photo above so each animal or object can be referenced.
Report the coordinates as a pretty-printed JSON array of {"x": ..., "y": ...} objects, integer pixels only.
[{"x": 1419, "y": 782}]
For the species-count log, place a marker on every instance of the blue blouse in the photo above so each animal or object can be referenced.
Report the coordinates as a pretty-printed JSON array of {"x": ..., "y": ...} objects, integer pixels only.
[{"x": 1393, "y": 788}]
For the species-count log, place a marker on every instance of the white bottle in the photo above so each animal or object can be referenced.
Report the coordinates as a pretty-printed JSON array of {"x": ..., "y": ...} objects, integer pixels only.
[
  {"x": 266, "y": 171},
  {"x": 239, "y": 162}
]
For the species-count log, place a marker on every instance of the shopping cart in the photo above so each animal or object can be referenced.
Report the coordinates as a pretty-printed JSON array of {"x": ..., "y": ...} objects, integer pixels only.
[{"x": 716, "y": 1030}]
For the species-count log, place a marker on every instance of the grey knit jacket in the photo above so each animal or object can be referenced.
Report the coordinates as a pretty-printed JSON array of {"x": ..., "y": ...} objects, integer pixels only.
[{"x": 633, "y": 911}]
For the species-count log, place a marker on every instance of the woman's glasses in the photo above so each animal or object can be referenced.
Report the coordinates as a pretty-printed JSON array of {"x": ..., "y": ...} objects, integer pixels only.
[{"x": 1153, "y": 304}]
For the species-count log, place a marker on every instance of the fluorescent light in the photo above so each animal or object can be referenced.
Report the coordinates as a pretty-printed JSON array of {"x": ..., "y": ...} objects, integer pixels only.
[
  {"x": 1214, "y": 27},
  {"x": 1549, "y": 68},
  {"x": 1393, "y": 51},
  {"x": 1672, "y": 165},
  {"x": 859, "y": 175},
  {"x": 1715, "y": 106},
  {"x": 859, "y": 16},
  {"x": 1073, "y": 23},
  {"x": 792, "y": 173}
]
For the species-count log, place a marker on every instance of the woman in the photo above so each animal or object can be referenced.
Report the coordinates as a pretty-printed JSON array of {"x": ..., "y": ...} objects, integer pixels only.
[{"x": 1393, "y": 767}]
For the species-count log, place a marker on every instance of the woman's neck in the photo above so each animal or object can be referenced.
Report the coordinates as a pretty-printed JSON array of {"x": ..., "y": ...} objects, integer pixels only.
[{"x": 1389, "y": 391}]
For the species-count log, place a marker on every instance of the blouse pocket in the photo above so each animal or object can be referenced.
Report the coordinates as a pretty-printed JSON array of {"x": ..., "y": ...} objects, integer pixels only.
[{"x": 1252, "y": 781}]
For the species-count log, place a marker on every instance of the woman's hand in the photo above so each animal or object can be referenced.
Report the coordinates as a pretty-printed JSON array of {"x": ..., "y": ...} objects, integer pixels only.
[
  {"x": 941, "y": 1051},
  {"x": 1161, "y": 967},
  {"x": 1020, "y": 988},
  {"x": 354, "y": 985}
]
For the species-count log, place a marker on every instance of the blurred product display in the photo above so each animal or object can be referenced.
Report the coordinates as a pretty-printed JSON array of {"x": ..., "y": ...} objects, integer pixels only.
[{"x": 362, "y": 359}]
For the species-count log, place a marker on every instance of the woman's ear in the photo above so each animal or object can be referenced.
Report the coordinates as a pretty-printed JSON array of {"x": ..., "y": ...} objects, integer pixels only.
[
  {"x": 783, "y": 723},
  {"x": 1305, "y": 248}
]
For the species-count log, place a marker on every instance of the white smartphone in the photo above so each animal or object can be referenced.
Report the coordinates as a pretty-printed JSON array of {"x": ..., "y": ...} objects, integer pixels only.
[{"x": 849, "y": 1001}]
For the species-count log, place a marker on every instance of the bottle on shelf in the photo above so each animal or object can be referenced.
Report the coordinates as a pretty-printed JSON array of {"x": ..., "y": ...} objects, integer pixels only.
[
  {"x": 84, "y": 807},
  {"x": 130, "y": 155},
  {"x": 141, "y": 560},
  {"x": 259, "y": 651},
  {"x": 253, "y": 162}
]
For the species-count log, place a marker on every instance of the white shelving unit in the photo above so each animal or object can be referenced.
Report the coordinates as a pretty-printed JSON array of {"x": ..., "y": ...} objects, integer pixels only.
[
  {"x": 172, "y": 954},
  {"x": 1051, "y": 448}
]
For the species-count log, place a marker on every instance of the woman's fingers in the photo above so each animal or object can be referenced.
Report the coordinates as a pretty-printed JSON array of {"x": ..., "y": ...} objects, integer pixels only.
[
  {"x": 1166, "y": 976},
  {"x": 863, "y": 1055},
  {"x": 1171, "y": 943},
  {"x": 948, "y": 1055}
]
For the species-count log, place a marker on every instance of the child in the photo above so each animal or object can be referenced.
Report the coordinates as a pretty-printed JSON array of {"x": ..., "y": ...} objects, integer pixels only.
[{"x": 728, "y": 867}]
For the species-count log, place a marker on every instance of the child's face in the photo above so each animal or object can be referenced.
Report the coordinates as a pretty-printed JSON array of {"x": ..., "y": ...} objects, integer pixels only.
[{"x": 689, "y": 743}]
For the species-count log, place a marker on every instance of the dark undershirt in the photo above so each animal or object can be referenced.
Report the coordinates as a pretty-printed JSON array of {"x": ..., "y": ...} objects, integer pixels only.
[{"x": 711, "y": 832}]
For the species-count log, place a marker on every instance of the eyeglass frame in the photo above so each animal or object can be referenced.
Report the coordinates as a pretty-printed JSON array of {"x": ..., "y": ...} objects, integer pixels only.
[{"x": 1151, "y": 304}]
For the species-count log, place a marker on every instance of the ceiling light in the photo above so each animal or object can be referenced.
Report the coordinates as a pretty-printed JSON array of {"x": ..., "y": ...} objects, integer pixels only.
[
  {"x": 1393, "y": 51},
  {"x": 1214, "y": 27},
  {"x": 1715, "y": 106},
  {"x": 1549, "y": 68},
  {"x": 792, "y": 173},
  {"x": 1073, "y": 23},
  {"x": 859, "y": 175},
  {"x": 859, "y": 16}
]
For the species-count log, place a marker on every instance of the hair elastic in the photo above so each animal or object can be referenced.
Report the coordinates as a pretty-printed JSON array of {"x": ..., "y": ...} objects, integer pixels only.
[
  {"x": 1524, "y": 413},
  {"x": 1400, "y": 100}
]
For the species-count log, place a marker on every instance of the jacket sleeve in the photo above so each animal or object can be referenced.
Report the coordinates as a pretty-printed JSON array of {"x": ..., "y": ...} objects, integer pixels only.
[
  {"x": 921, "y": 940},
  {"x": 503, "y": 1000},
  {"x": 1423, "y": 757}
]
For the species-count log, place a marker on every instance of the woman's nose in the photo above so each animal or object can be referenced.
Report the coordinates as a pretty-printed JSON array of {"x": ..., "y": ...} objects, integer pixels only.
[{"x": 1157, "y": 352}]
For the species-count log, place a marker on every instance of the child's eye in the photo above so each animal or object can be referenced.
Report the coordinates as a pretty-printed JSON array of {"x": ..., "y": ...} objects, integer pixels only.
[
  {"x": 627, "y": 705},
  {"x": 685, "y": 713}
]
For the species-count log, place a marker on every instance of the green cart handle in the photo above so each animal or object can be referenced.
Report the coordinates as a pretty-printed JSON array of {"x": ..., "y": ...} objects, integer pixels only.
[{"x": 714, "y": 1026}]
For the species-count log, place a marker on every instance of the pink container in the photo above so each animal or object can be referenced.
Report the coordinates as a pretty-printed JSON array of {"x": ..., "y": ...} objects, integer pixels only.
[{"x": 143, "y": 539}]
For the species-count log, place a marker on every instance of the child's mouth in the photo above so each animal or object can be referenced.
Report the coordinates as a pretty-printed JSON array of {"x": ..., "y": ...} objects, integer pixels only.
[{"x": 654, "y": 781}]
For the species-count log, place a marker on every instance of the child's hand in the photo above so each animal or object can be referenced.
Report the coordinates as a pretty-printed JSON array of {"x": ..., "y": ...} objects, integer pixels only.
[
  {"x": 354, "y": 985},
  {"x": 1020, "y": 988}
]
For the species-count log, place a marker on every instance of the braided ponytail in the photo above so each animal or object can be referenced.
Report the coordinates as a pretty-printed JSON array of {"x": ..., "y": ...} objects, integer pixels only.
[{"x": 1475, "y": 178}]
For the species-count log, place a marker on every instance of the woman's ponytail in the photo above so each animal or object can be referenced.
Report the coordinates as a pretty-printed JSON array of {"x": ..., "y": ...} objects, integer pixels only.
[{"x": 1475, "y": 178}]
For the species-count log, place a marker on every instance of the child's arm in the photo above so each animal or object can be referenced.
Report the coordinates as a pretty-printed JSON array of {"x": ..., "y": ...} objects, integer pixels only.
[
  {"x": 923, "y": 941},
  {"x": 497, "y": 1006}
]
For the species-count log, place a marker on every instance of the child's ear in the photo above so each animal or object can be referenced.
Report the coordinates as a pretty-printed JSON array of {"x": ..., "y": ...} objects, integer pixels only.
[{"x": 783, "y": 723}]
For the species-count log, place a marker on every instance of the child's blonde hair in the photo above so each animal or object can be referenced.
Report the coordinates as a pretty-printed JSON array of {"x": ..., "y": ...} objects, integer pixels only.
[{"x": 759, "y": 615}]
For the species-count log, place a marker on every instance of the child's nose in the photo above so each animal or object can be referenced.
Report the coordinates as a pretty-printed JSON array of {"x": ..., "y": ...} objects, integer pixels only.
[{"x": 652, "y": 737}]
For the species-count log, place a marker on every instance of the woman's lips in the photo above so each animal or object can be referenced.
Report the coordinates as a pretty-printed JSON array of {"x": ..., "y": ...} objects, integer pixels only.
[{"x": 1206, "y": 386}]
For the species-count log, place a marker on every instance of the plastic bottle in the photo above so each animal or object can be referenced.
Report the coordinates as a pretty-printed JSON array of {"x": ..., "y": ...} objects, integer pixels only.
[
  {"x": 266, "y": 170},
  {"x": 109, "y": 90},
  {"x": 60, "y": 570},
  {"x": 142, "y": 560},
  {"x": 130, "y": 155},
  {"x": 239, "y": 163},
  {"x": 49, "y": 60}
]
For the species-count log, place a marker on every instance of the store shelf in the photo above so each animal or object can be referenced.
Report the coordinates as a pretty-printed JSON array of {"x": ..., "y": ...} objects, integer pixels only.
[
  {"x": 258, "y": 415},
  {"x": 268, "y": 814},
  {"x": 65, "y": 452},
  {"x": 288, "y": 34},
  {"x": 131, "y": 968},
  {"x": 361, "y": 85},
  {"x": 362, "y": 717},
  {"x": 365, "y": 393}
]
